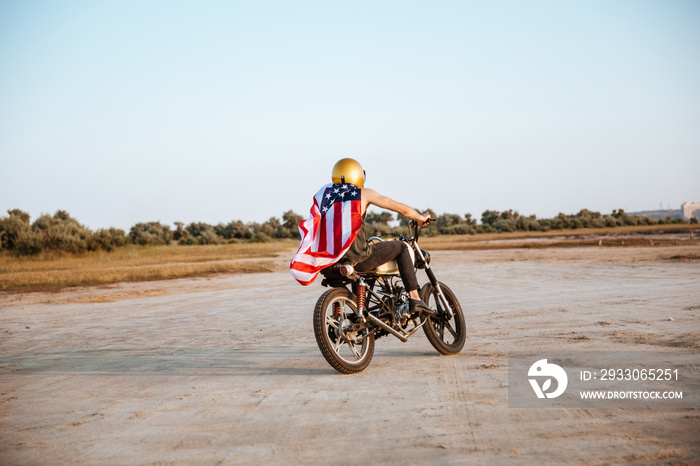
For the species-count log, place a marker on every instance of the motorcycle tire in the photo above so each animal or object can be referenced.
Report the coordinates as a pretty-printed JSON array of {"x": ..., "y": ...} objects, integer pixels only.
[
  {"x": 345, "y": 350},
  {"x": 446, "y": 335}
]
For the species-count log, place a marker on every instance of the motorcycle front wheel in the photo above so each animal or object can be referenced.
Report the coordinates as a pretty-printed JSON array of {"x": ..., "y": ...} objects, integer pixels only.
[
  {"x": 346, "y": 348},
  {"x": 447, "y": 335}
]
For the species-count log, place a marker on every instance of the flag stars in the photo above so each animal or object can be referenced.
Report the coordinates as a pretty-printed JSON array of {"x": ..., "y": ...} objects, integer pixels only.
[{"x": 338, "y": 193}]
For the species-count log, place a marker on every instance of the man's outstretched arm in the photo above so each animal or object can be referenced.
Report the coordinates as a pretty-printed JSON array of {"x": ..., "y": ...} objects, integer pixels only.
[{"x": 372, "y": 197}]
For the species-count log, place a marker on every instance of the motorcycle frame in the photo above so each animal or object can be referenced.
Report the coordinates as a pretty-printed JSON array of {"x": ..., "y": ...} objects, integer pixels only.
[
  {"x": 381, "y": 303},
  {"x": 389, "y": 289}
]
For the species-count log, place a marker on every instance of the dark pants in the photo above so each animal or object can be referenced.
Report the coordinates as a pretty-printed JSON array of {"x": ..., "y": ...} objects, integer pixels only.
[{"x": 386, "y": 251}]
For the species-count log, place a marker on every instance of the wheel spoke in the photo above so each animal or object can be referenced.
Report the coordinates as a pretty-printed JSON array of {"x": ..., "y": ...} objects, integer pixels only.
[
  {"x": 338, "y": 344},
  {"x": 452, "y": 331},
  {"x": 344, "y": 339},
  {"x": 445, "y": 328},
  {"x": 332, "y": 322},
  {"x": 441, "y": 330},
  {"x": 354, "y": 350},
  {"x": 339, "y": 315}
]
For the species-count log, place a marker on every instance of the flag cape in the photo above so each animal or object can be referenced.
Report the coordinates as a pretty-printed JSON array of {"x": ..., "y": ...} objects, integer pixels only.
[{"x": 333, "y": 223}]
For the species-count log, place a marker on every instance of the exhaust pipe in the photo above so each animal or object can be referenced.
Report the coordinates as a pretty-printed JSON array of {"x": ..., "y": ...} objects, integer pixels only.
[{"x": 381, "y": 324}]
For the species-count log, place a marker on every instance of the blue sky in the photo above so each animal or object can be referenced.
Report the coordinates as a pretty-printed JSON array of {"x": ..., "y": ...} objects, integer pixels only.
[{"x": 121, "y": 112}]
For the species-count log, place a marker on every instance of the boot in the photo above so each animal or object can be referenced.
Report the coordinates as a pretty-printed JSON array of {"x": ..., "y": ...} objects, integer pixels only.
[{"x": 417, "y": 305}]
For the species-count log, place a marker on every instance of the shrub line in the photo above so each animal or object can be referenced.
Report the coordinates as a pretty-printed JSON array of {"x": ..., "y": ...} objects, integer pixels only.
[{"x": 62, "y": 233}]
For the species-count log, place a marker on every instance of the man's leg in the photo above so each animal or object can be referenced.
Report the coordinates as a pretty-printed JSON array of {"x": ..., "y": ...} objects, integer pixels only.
[
  {"x": 386, "y": 251},
  {"x": 382, "y": 253}
]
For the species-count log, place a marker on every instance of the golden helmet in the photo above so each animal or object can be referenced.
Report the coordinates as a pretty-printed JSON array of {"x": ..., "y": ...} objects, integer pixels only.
[{"x": 348, "y": 171}]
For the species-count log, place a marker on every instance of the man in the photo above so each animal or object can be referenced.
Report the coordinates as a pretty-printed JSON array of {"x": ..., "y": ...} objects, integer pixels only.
[{"x": 334, "y": 232}]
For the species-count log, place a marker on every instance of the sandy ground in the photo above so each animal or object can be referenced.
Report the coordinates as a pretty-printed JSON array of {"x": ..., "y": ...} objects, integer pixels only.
[{"x": 226, "y": 370}]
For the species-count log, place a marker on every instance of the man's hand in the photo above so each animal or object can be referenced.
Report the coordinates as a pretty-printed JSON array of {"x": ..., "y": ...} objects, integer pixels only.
[{"x": 424, "y": 220}]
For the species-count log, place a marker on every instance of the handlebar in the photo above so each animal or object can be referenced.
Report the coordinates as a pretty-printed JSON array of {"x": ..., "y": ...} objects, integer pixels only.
[
  {"x": 414, "y": 224},
  {"x": 416, "y": 227}
]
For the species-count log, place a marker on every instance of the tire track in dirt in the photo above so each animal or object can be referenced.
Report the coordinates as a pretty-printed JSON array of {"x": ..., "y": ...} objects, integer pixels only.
[{"x": 458, "y": 396}]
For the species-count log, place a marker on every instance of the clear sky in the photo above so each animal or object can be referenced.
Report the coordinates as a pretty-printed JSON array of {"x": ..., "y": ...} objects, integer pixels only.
[{"x": 128, "y": 111}]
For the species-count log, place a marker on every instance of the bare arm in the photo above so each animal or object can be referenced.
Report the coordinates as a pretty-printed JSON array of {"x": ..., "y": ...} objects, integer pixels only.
[{"x": 372, "y": 197}]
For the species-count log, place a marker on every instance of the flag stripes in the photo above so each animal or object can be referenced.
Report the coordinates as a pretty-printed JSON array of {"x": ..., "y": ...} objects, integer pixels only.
[{"x": 328, "y": 232}]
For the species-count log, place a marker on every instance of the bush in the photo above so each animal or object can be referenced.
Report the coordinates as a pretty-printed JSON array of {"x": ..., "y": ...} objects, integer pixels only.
[
  {"x": 261, "y": 238},
  {"x": 500, "y": 221},
  {"x": 503, "y": 221},
  {"x": 460, "y": 229},
  {"x": 200, "y": 233},
  {"x": 447, "y": 223},
  {"x": 485, "y": 228},
  {"x": 188, "y": 241},
  {"x": 527, "y": 224},
  {"x": 180, "y": 232},
  {"x": 270, "y": 227},
  {"x": 611, "y": 222},
  {"x": 383, "y": 217},
  {"x": 377, "y": 229},
  {"x": 12, "y": 227},
  {"x": 235, "y": 229},
  {"x": 151, "y": 233},
  {"x": 505, "y": 225},
  {"x": 399, "y": 231},
  {"x": 107, "y": 240},
  {"x": 489, "y": 217},
  {"x": 209, "y": 237},
  {"x": 29, "y": 243},
  {"x": 290, "y": 225},
  {"x": 59, "y": 232}
]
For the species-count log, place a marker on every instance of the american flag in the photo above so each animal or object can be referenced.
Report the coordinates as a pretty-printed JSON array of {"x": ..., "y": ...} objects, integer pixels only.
[{"x": 328, "y": 232}]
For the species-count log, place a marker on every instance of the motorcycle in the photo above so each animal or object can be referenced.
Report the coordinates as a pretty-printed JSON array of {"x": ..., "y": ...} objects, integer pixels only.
[{"x": 361, "y": 307}]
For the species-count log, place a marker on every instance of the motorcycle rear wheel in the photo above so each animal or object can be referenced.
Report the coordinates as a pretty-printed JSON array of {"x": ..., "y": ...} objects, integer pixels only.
[
  {"x": 346, "y": 350},
  {"x": 446, "y": 335}
]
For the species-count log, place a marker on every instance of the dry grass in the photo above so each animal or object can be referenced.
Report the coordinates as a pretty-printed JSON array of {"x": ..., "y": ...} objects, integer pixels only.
[{"x": 135, "y": 263}]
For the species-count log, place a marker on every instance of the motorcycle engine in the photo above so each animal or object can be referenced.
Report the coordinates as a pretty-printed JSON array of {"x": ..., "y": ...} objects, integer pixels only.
[{"x": 402, "y": 313}]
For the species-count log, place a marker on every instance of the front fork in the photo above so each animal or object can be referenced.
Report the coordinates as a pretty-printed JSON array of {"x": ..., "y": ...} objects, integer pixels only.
[{"x": 436, "y": 285}]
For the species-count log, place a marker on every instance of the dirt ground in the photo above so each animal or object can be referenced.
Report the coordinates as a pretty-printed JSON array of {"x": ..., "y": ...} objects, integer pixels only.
[{"x": 226, "y": 370}]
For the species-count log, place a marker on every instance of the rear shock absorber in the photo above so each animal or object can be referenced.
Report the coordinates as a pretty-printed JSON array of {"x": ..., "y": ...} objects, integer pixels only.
[{"x": 361, "y": 296}]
